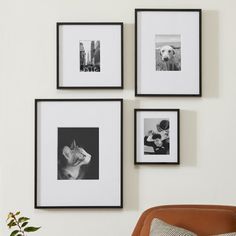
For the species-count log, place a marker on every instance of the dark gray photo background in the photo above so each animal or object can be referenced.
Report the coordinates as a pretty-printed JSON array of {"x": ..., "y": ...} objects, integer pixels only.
[{"x": 88, "y": 139}]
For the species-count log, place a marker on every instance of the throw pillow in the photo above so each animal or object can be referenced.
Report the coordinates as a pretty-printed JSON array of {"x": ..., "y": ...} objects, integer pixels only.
[
  {"x": 161, "y": 228},
  {"x": 227, "y": 234}
]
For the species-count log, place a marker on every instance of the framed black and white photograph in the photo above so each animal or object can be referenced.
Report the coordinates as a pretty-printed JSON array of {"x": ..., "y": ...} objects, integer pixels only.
[
  {"x": 78, "y": 153},
  {"x": 168, "y": 52},
  {"x": 156, "y": 136},
  {"x": 89, "y": 55}
]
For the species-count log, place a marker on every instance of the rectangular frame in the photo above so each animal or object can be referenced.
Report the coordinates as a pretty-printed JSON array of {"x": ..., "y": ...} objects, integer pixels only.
[
  {"x": 49, "y": 114},
  {"x": 196, "y": 89},
  {"x": 104, "y": 79},
  {"x": 160, "y": 156}
]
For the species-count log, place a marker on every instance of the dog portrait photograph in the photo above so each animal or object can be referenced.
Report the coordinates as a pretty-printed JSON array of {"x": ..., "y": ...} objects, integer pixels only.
[
  {"x": 78, "y": 153},
  {"x": 156, "y": 136},
  {"x": 89, "y": 51},
  {"x": 168, "y": 52}
]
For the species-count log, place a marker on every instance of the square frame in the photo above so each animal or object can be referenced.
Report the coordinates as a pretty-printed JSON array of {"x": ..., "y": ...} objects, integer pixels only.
[
  {"x": 158, "y": 157},
  {"x": 196, "y": 89},
  {"x": 45, "y": 120},
  {"x": 89, "y": 80}
]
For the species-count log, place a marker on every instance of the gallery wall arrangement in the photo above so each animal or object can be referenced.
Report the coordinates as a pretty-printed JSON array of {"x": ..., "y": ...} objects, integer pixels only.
[{"x": 79, "y": 142}]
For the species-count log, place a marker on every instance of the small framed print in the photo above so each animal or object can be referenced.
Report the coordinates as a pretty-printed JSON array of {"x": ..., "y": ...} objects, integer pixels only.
[
  {"x": 78, "y": 153},
  {"x": 156, "y": 136},
  {"x": 168, "y": 52},
  {"x": 89, "y": 55}
]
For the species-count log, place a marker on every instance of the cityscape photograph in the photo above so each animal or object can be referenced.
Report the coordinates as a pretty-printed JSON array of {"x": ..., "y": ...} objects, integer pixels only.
[{"x": 89, "y": 56}]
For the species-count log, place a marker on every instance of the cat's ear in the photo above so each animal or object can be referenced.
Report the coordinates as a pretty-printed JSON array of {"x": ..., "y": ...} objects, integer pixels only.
[
  {"x": 67, "y": 153},
  {"x": 73, "y": 145}
]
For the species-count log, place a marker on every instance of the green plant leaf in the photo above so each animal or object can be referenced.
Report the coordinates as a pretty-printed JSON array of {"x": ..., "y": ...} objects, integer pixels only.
[
  {"x": 19, "y": 235},
  {"x": 15, "y": 232},
  {"x": 9, "y": 216},
  {"x": 24, "y": 224},
  {"x": 23, "y": 219},
  {"x": 17, "y": 213},
  {"x": 31, "y": 229},
  {"x": 11, "y": 223}
]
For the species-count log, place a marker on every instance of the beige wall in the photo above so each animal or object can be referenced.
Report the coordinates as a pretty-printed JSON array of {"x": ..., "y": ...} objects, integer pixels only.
[{"x": 208, "y": 128}]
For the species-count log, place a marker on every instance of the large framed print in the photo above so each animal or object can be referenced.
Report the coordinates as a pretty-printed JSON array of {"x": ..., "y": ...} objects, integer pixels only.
[
  {"x": 89, "y": 55},
  {"x": 156, "y": 134},
  {"x": 78, "y": 153},
  {"x": 168, "y": 52}
]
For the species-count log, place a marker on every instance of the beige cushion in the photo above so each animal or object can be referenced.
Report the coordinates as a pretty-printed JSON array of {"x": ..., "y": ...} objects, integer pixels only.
[
  {"x": 227, "y": 234},
  {"x": 161, "y": 228}
]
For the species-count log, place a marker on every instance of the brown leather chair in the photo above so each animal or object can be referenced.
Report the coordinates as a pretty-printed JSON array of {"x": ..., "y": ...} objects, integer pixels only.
[{"x": 201, "y": 219}]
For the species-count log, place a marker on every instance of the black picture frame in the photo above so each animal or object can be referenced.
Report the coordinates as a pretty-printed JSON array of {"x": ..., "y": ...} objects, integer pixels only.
[
  {"x": 58, "y": 25},
  {"x": 197, "y": 94},
  {"x": 37, "y": 205},
  {"x": 177, "y": 136}
]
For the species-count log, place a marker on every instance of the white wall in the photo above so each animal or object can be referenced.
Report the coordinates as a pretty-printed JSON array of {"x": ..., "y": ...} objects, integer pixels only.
[{"x": 208, "y": 128}]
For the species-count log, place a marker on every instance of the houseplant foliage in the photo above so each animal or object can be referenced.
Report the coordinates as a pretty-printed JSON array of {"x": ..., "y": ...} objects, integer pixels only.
[{"x": 19, "y": 224}]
